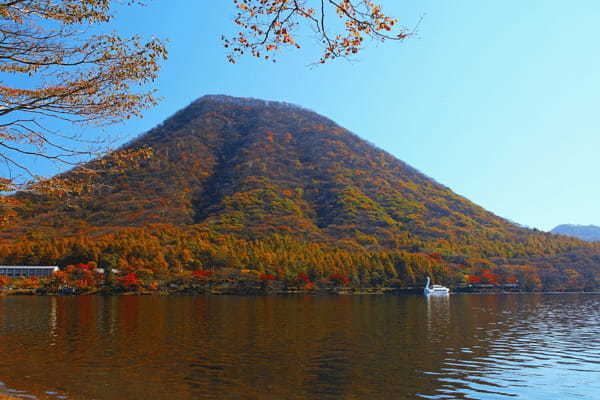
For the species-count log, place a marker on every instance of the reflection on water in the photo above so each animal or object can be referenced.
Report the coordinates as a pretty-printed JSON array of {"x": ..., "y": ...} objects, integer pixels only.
[
  {"x": 305, "y": 347},
  {"x": 438, "y": 312}
]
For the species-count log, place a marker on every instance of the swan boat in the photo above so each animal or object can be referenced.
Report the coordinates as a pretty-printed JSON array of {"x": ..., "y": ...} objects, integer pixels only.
[{"x": 435, "y": 289}]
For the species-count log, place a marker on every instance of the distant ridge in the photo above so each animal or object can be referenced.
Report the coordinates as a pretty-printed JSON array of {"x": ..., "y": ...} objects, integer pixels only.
[{"x": 589, "y": 233}]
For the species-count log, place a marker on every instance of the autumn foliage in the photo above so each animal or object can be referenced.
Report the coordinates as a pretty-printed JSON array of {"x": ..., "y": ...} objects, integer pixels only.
[
  {"x": 267, "y": 277},
  {"x": 239, "y": 189},
  {"x": 4, "y": 281},
  {"x": 201, "y": 274},
  {"x": 55, "y": 67},
  {"x": 129, "y": 281},
  {"x": 339, "y": 279},
  {"x": 266, "y": 26}
]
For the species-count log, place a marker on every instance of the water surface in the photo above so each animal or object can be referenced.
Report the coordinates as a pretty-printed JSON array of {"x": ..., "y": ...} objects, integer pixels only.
[{"x": 305, "y": 347}]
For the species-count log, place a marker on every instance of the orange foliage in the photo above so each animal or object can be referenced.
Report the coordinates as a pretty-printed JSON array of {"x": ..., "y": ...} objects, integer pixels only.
[
  {"x": 5, "y": 281},
  {"x": 267, "y": 26},
  {"x": 321, "y": 203},
  {"x": 27, "y": 283},
  {"x": 488, "y": 277},
  {"x": 67, "y": 73}
]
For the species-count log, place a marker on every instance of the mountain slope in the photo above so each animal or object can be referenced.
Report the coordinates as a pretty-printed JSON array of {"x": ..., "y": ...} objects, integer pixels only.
[
  {"x": 251, "y": 171},
  {"x": 590, "y": 233},
  {"x": 236, "y": 164}
]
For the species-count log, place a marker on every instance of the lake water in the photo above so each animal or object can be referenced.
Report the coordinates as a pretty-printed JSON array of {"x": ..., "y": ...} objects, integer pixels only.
[{"x": 538, "y": 346}]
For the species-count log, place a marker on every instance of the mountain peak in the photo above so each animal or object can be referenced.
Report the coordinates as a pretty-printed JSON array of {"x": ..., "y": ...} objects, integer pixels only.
[
  {"x": 249, "y": 166},
  {"x": 247, "y": 101}
]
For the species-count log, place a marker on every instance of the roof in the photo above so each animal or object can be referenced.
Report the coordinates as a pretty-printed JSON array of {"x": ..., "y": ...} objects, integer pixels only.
[{"x": 30, "y": 266}]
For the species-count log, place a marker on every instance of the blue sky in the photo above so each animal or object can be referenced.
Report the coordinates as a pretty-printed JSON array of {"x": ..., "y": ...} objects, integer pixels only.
[{"x": 496, "y": 100}]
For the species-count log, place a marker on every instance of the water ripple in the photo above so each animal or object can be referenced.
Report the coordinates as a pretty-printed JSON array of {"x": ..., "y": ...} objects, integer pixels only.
[{"x": 464, "y": 347}]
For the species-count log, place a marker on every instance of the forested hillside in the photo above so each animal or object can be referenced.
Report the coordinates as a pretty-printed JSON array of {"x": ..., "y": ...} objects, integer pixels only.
[{"x": 270, "y": 187}]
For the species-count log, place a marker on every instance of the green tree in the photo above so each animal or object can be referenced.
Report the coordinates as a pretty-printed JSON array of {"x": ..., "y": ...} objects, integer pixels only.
[{"x": 108, "y": 262}]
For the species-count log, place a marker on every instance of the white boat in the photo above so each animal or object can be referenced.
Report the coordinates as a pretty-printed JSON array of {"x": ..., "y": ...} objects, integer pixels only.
[{"x": 434, "y": 289}]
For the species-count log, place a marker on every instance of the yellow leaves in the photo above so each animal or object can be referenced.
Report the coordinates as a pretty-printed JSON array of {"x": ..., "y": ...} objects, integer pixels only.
[
  {"x": 6, "y": 185},
  {"x": 121, "y": 160},
  {"x": 69, "y": 76}
]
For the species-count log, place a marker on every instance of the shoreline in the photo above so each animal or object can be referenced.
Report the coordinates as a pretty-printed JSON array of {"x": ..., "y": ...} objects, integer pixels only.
[{"x": 259, "y": 292}]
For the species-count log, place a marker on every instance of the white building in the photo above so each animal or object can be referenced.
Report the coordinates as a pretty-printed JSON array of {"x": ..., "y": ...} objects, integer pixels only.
[{"x": 27, "y": 270}]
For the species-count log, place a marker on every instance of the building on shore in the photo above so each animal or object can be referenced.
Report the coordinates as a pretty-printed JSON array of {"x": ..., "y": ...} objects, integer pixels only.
[{"x": 38, "y": 271}]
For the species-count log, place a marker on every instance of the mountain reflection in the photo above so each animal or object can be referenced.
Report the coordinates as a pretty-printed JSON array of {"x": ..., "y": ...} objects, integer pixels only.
[{"x": 304, "y": 347}]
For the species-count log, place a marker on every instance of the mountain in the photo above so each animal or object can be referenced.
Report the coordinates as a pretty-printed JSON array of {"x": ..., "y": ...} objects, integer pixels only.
[
  {"x": 252, "y": 184},
  {"x": 590, "y": 233}
]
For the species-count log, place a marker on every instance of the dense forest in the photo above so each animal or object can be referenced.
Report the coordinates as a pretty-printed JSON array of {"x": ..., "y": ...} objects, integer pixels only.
[{"x": 247, "y": 189}]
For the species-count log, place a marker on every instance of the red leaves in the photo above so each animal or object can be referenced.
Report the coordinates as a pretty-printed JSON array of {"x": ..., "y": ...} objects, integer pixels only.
[
  {"x": 302, "y": 280},
  {"x": 339, "y": 279},
  {"x": 130, "y": 281},
  {"x": 267, "y": 277},
  {"x": 490, "y": 278},
  {"x": 84, "y": 267},
  {"x": 202, "y": 274},
  {"x": 82, "y": 276},
  {"x": 486, "y": 277}
]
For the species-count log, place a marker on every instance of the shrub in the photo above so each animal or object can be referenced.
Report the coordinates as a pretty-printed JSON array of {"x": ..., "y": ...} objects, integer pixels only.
[
  {"x": 202, "y": 274},
  {"x": 129, "y": 281},
  {"x": 5, "y": 281},
  {"x": 27, "y": 283},
  {"x": 267, "y": 277},
  {"x": 339, "y": 279}
]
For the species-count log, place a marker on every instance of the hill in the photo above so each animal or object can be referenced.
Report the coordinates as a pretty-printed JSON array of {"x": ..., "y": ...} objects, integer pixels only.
[
  {"x": 590, "y": 233},
  {"x": 271, "y": 187}
]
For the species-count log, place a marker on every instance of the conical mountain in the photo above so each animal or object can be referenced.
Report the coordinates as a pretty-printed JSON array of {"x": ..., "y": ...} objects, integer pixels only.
[
  {"x": 251, "y": 166},
  {"x": 251, "y": 169}
]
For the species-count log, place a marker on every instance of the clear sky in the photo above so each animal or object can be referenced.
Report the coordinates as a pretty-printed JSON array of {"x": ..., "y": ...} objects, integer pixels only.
[{"x": 498, "y": 100}]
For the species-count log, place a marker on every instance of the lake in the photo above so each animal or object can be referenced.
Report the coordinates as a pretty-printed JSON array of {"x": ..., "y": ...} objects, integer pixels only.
[{"x": 469, "y": 346}]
